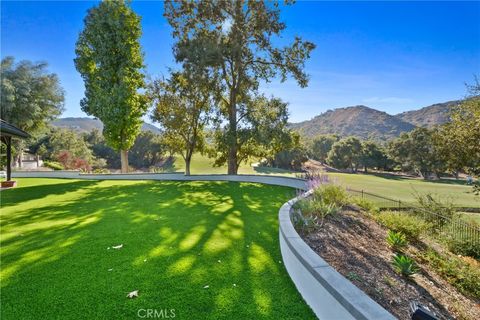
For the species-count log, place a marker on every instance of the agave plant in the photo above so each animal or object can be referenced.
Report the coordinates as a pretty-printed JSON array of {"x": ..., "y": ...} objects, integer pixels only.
[
  {"x": 405, "y": 265},
  {"x": 396, "y": 240}
]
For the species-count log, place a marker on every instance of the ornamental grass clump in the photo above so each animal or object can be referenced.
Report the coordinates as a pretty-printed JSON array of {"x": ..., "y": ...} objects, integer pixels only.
[{"x": 331, "y": 194}]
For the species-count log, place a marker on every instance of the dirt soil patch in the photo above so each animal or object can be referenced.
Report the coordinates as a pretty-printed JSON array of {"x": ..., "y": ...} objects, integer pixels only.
[{"x": 355, "y": 246}]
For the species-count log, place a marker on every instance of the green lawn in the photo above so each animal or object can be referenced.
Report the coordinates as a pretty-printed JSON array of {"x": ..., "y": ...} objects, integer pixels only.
[
  {"x": 57, "y": 259},
  {"x": 404, "y": 188},
  {"x": 396, "y": 187},
  {"x": 203, "y": 165}
]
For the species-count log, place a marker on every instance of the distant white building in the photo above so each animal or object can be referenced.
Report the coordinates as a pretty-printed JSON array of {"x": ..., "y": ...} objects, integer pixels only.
[{"x": 28, "y": 161}]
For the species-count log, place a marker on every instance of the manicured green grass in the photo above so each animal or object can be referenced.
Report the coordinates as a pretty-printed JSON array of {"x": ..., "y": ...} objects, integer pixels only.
[
  {"x": 178, "y": 237},
  {"x": 472, "y": 217},
  {"x": 203, "y": 165},
  {"x": 395, "y": 187},
  {"x": 400, "y": 188}
]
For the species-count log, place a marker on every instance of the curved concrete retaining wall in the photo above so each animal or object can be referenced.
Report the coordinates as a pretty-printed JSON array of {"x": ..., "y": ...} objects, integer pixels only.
[
  {"x": 266, "y": 179},
  {"x": 327, "y": 292}
]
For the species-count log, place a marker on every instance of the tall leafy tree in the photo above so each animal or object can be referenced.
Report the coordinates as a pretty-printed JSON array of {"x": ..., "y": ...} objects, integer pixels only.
[
  {"x": 321, "y": 145},
  {"x": 372, "y": 156},
  {"x": 30, "y": 97},
  {"x": 346, "y": 153},
  {"x": 417, "y": 151},
  {"x": 263, "y": 132},
  {"x": 459, "y": 139},
  {"x": 147, "y": 151},
  {"x": 234, "y": 38},
  {"x": 182, "y": 106},
  {"x": 109, "y": 58}
]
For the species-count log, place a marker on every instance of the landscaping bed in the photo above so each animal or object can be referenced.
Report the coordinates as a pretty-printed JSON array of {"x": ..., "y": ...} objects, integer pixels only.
[{"x": 354, "y": 243}]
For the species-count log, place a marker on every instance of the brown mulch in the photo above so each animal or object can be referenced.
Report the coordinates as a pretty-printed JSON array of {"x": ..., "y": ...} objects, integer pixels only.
[{"x": 355, "y": 246}]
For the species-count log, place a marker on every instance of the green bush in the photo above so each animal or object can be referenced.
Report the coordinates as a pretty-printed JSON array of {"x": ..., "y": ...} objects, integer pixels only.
[
  {"x": 410, "y": 225},
  {"x": 438, "y": 211},
  {"x": 331, "y": 194},
  {"x": 316, "y": 208},
  {"x": 404, "y": 265},
  {"x": 366, "y": 205},
  {"x": 53, "y": 165},
  {"x": 457, "y": 272},
  {"x": 464, "y": 246},
  {"x": 396, "y": 240},
  {"x": 101, "y": 171}
]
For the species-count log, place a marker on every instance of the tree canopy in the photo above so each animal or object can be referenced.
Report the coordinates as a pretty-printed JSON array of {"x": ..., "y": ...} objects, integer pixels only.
[
  {"x": 321, "y": 145},
  {"x": 234, "y": 39},
  {"x": 31, "y": 96},
  {"x": 346, "y": 153},
  {"x": 182, "y": 107},
  {"x": 110, "y": 61}
]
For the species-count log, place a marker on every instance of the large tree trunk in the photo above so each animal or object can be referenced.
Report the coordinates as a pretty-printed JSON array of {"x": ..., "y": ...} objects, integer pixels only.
[
  {"x": 232, "y": 135},
  {"x": 232, "y": 159},
  {"x": 8, "y": 141},
  {"x": 124, "y": 160},
  {"x": 188, "y": 160},
  {"x": 19, "y": 158}
]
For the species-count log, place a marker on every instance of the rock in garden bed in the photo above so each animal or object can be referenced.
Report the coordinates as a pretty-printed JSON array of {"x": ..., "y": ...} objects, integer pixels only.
[{"x": 354, "y": 244}]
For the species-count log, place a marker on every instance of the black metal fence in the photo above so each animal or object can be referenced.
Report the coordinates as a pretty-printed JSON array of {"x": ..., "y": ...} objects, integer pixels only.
[
  {"x": 381, "y": 201},
  {"x": 440, "y": 226}
]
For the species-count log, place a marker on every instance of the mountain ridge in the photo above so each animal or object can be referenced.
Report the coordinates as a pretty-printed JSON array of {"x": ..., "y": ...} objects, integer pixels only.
[{"x": 369, "y": 123}]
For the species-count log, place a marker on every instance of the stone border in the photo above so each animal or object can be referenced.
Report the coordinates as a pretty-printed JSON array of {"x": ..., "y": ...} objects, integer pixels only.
[
  {"x": 327, "y": 292},
  {"x": 265, "y": 179}
]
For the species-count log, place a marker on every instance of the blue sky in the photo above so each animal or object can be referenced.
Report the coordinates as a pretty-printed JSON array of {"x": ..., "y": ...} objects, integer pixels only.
[{"x": 393, "y": 56}]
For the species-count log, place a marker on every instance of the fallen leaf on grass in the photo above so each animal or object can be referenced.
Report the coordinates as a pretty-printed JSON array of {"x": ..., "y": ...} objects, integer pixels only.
[
  {"x": 206, "y": 287},
  {"x": 118, "y": 247},
  {"x": 132, "y": 294}
]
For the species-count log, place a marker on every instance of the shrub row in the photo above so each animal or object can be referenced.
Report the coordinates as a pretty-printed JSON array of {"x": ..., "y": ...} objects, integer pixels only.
[
  {"x": 325, "y": 200},
  {"x": 53, "y": 165},
  {"x": 457, "y": 272}
]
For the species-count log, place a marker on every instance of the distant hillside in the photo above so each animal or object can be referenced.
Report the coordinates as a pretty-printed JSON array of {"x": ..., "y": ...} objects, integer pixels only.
[
  {"x": 428, "y": 116},
  {"x": 88, "y": 124},
  {"x": 360, "y": 121}
]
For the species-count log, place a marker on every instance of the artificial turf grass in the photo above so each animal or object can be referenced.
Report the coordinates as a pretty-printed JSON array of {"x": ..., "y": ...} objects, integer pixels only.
[{"x": 55, "y": 260}]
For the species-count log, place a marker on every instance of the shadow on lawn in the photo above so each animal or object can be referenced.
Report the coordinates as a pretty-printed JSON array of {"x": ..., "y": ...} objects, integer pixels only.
[
  {"x": 23, "y": 194},
  {"x": 173, "y": 233}
]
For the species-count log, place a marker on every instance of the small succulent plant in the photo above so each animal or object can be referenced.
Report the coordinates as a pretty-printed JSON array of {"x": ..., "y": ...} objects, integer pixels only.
[
  {"x": 396, "y": 240},
  {"x": 405, "y": 265}
]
